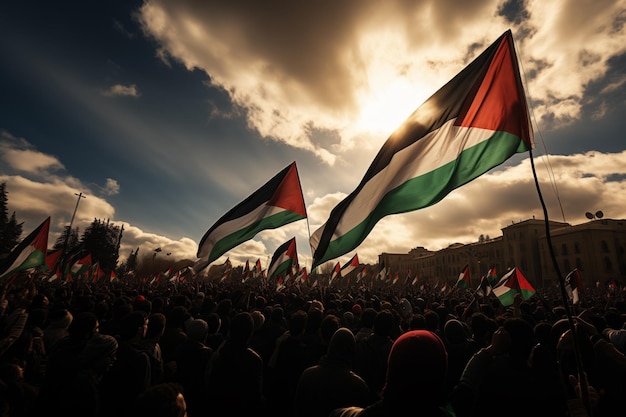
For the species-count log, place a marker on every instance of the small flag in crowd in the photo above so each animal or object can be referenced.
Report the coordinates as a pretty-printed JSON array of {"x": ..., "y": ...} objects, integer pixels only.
[
  {"x": 301, "y": 276},
  {"x": 574, "y": 285},
  {"x": 512, "y": 283},
  {"x": 492, "y": 276},
  {"x": 464, "y": 278},
  {"x": 80, "y": 263},
  {"x": 336, "y": 273},
  {"x": 52, "y": 258},
  {"x": 283, "y": 259},
  {"x": 350, "y": 266}
]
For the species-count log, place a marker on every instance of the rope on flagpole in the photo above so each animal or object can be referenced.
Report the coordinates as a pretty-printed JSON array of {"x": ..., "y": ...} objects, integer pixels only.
[{"x": 582, "y": 378}]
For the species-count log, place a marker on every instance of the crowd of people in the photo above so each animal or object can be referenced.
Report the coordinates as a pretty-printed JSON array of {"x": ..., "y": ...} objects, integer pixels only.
[{"x": 206, "y": 349}]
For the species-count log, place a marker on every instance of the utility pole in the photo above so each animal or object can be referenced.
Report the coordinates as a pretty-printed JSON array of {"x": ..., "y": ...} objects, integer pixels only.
[{"x": 69, "y": 229}]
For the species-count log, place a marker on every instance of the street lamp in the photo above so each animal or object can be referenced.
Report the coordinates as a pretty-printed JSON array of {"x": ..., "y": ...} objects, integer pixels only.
[{"x": 598, "y": 215}]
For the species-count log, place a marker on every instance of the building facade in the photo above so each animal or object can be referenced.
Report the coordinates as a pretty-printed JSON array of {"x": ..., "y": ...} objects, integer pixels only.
[{"x": 596, "y": 248}]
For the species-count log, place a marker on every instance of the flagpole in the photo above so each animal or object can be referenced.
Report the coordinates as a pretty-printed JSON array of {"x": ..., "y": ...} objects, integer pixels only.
[{"x": 582, "y": 376}]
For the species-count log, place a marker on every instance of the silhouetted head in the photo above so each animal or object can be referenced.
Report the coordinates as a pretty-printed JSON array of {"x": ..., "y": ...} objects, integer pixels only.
[{"x": 416, "y": 371}]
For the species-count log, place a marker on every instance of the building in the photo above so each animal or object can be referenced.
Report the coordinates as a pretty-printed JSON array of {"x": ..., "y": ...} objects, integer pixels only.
[{"x": 596, "y": 248}]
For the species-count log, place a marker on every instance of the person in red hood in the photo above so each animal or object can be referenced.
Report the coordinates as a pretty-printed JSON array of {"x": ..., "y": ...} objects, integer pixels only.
[{"x": 415, "y": 380}]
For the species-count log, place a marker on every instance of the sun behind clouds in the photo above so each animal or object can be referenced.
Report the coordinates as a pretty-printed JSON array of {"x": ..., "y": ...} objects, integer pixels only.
[{"x": 386, "y": 104}]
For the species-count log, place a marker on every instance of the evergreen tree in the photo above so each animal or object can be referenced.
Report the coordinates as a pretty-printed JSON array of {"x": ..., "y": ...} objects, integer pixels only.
[
  {"x": 10, "y": 229},
  {"x": 101, "y": 240},
  {"x": 73, "y": 241},
  {"x": 132, "y": 261},
  {"x": 130, "y": 265}
]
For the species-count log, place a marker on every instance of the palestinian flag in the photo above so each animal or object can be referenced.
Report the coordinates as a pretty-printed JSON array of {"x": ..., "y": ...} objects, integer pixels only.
[
  {"x": 81, "y": 263},
  {"x": 574, "y": 286},
  {"x": 492, "y": 276},
  {"x": 56, "y": 275},
  {"x": 484, "y": 288},
  {"x": 247, "y": 273},
  {"x": 362, "y": 274},
  {"x": 474, "y": 123},
  {"x": 228, "y": 267},
  {"x": 256, "y": 272},
  {"x": 301, "y": 276},
  {"x": 383, "y": 270},
  {"x": 350, "y": 266},
  {"x": 464, "y": 278},
  {"x": 512, "y": 283},
  {"x": 98, "y": 273},
  {"x": 275, "y": 204},
  {"x": 336, "y": 273},
  {"x": 283, "y": 259},
  {"x": 29, "y": 253},
  {"x": 52, "y": 258}
]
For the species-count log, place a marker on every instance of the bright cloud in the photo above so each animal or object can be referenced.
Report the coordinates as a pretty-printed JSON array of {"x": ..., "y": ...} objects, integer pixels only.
[
  {"x": 375, "y": 62},
  {"x": 18, "y": 154},
  {"x": 111, "y": 187},
  {"x": 122, "y": 90}
]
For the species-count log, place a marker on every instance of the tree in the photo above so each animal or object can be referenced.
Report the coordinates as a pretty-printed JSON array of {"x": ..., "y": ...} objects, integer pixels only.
[
  {"x": 130, "y": 265},
  {"x": 73, "y": 242},
  {"x": 101, "y": 240},
  {"x": 10, "y": 229}
]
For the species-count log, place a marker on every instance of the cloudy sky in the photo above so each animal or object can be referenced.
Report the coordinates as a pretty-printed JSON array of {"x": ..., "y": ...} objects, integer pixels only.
[{"x": 166, "y": 114}]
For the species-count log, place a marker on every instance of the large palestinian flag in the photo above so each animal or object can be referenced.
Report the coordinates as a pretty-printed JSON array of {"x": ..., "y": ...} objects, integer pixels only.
[
  {"x": 275, "y": 204},
  {"x": 475, "y": 122}
]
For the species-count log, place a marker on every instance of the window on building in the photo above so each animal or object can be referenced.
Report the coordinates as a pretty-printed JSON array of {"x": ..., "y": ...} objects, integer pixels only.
[
  {"x": 608, "y": 265},
  {"x": 564, "y": 249},
  {"x": 576, "y": 247},
  {"x": 604, "y": 246},
  {"x": 566, "y": 265}
]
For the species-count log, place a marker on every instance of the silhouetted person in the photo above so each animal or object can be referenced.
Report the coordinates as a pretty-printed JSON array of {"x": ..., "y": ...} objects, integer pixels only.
[
  {"x": 331, "y": 383},
  {"x": 414, "y": 382},
  {"x": 234, "y": 377}
]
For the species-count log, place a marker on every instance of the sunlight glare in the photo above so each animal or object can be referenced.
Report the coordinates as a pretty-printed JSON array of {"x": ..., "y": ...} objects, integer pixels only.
[{"x": 384, "y": 111}]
